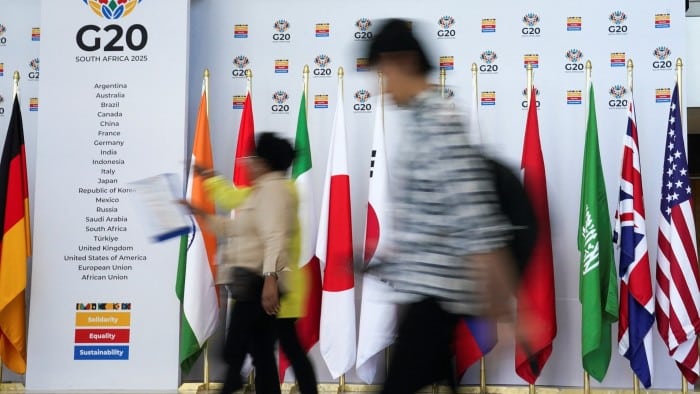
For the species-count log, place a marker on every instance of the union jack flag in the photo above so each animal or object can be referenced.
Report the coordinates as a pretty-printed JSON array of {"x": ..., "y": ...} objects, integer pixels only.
[
  {"x": 677, "y": 292},
  {"x": 636, "y": 294}
]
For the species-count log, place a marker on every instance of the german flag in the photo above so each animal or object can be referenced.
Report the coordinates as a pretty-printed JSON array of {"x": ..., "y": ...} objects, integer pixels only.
[{"x": 14, "y": 245}]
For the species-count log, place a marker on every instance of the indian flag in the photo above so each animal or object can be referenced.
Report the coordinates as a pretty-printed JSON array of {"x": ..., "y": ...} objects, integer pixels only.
[{"x": 196, "y": 269}]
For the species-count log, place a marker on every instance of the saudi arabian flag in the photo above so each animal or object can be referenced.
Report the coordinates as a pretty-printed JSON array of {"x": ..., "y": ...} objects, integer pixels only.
[{"x": 597, "y": 280}]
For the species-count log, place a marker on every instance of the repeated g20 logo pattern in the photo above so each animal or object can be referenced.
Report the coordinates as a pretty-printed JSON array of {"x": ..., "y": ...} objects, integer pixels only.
[
  {"x": 446, "y": 29},
  {"x": 363, "y": 32},
  {"x": 279, "y": 99},
  {"x": 574, "y": 60},
  {"x": 323, "y": 68},
  {"x": 3, "y": 39},
  {"x": 488, "y": 60},
  {"x": 662, "y": 55},
  {"x": 531, "y": 21},
  {"x": 617, "y": 94},
  {"x": 34, "y": 69},
  {"x": 362, "y": 101},
  {"x": 281, "y": 34},
  {"x": 618, "y": 21},
  {"x": 240, "y": 63}
]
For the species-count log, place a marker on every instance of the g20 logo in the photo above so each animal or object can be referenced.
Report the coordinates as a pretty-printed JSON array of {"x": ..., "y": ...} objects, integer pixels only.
[
  {"x": 617, "y": 92},
  {"x": 89, "y": 37},
  {"x": 362, "y": 97},
  {"x": 34, "y": 66},
  {"x": 322, "y": 61},
  {"x": 531, "y": 20},
  {"x": 488, "y": 57},
  {"x": 281, "y": 26},
  {"x": 526, "y": 99},
  {"x": 280, "y": 105},
  {"x": 363, "y": 33},
  {"x": 241, "y": 63},
  {"x": 3, "y": 39},
  {"x": 662, "y": 61},
  {"x": 574, "y": 57},
  {"x": 617, "y": 22},
  {"x": 446, "y": 31}
]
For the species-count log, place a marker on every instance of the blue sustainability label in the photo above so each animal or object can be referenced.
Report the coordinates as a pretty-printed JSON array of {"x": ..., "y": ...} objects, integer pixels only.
[{"x": 101, "y": 353}]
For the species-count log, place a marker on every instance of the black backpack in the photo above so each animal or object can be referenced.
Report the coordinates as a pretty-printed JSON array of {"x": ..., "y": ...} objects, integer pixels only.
[{"x": 517, "y": 208}]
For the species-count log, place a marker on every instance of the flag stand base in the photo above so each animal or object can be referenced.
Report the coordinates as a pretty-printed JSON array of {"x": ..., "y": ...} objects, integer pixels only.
[{"x": 11, "y": 388}]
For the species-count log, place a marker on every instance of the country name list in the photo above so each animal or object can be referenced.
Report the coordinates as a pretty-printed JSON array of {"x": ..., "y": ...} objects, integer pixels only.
[{"x": 107, "y": 254}]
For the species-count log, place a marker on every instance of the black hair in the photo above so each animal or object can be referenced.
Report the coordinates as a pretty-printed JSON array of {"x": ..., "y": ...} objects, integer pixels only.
[
  {"x": 277, "y": 152},
  {"x": 396, "y": 36}
]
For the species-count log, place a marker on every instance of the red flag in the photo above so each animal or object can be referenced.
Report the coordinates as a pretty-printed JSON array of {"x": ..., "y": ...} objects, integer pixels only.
[
  {"x": 14, "y": 245},
  {"x": 536, "y": 292},
  {"x": 246, "y": 144}
]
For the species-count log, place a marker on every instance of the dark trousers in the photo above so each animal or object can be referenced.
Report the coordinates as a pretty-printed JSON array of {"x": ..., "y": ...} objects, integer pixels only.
[
  {"x": 251, "y": 330},
  {"x": 422, "y": 353},
  {"x": 303, "y": 370}
]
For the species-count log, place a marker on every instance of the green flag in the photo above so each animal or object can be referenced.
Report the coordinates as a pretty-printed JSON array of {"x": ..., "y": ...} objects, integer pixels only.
[{"x": 597, "y": 279}]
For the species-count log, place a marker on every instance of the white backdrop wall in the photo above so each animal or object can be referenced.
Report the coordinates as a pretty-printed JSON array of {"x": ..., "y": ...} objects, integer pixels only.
[
  {"x": 561, "y": 126},
  {"x": 215, "y": 45}
]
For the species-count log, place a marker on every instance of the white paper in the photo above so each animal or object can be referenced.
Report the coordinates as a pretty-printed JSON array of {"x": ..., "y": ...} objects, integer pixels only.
[{"x": 158, "y": 204}]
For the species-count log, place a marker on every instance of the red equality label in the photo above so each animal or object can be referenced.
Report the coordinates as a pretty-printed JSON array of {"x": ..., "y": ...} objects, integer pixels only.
[{"x": 97, "y": 335}]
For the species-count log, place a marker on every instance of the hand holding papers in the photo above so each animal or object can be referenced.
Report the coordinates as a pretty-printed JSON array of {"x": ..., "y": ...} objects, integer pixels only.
[{"x": 158, "y": 204}]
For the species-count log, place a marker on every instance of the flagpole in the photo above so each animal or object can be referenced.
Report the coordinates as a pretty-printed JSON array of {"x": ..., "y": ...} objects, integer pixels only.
[
  {"x": 679, "y": 79},
  {"x": 530, "y": 81},
  {"x": 589, "y": 68},
  {"x": 530, "y": 85},
  {"x": 380, "y": 78},
  {"x": 250, "y": 387},
  {"x": 206, "y": 344},
  {"x": 482, "y": 375},
  {"x": 443, "y": 79},
  {"x": 341, "y": 75},
  {"x": 630, "y": 69},
  {"x": 305, "y": 75}
]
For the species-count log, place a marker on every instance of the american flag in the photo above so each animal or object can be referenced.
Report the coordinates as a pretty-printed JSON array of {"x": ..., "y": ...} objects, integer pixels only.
[
  {"x": 636, "y": 294},
  {"x": 677, "y": 292}
]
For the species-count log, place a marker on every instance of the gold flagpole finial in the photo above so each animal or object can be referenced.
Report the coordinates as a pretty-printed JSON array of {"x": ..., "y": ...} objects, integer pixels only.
[
  {"x": 206, "y": 73},
  {"x": 341, "y": 72},
  {"x": 443, "y": 81},
  {"x": 589, "y": 69},
  {"x": 679, "y": 80},
  {"x": 474, "y": 68},
  {"x": 306, "y": 69},
  {"x": 15, "y": 84},
  {"x": 249, "y": 80},
  {"x": 630, "y": 69}
]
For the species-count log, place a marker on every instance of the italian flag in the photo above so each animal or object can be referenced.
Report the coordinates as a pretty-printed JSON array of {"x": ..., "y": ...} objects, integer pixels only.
[
  {"x": 195, "y": 286},
  {"x": 302, "y": 174}
]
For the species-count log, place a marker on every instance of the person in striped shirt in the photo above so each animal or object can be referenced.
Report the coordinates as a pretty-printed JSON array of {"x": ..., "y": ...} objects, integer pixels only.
[{"x": 447, "y": 254}]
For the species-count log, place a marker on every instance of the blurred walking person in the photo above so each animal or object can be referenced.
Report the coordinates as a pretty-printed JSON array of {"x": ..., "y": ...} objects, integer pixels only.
[{"x": 447, "y": 254}]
